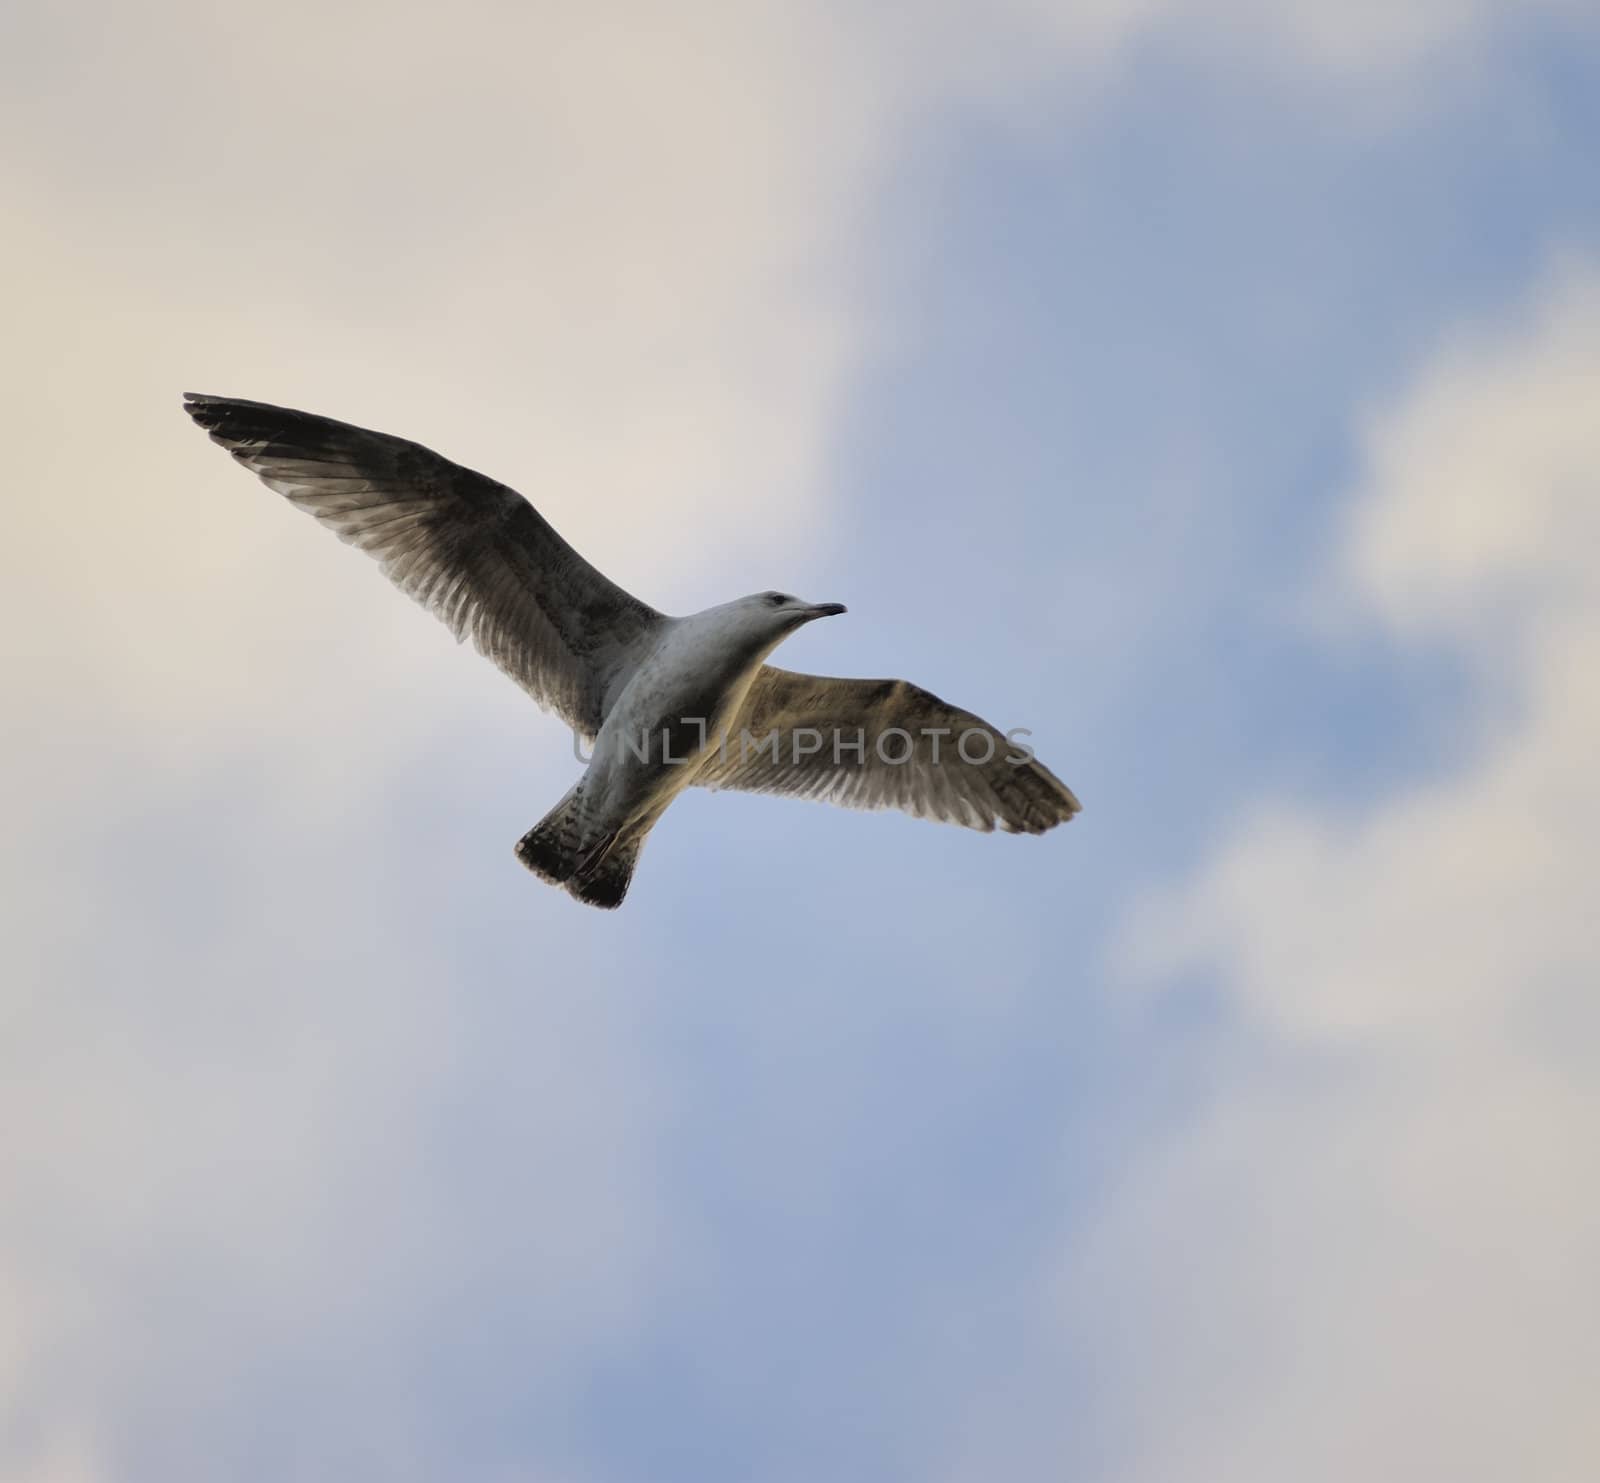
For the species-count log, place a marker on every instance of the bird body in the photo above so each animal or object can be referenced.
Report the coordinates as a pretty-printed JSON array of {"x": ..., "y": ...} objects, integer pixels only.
[
  {"x": 668, "y": 702},
  {"x": 668, "y": 721}
]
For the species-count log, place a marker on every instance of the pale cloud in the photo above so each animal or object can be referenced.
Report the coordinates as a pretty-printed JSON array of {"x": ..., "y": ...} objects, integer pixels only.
[
  {"x": 1377, "y": 61},
  {"x": 1474, "y": 527},
  {"x": 592, "y": 252},
  {"x": 1369, "y": 40},
  {"x": 1480, "y": 512},
  {"x": 1375, "y": 1259},
  {"x": 586, "y": 252},
  {"x": 230, "y": 1092},
  {"x": 608, "y": 254},
  {"x": 602, "y": 252},
  {"x": 61, "y": 1459}
]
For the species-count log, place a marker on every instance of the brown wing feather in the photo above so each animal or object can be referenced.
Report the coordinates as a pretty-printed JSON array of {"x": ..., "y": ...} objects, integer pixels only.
[{"x": 892, "y": 718}]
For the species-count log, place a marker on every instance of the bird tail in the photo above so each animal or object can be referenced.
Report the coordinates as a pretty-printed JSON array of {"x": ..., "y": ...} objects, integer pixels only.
[
  {"x": 597, "y": 873},
  {"x": 606, "y": 882},
  {"x": 553, "y": 847}
]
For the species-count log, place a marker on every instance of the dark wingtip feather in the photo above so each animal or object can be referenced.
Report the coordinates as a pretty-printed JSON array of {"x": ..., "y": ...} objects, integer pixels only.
[{"x": 207, "y": 411}]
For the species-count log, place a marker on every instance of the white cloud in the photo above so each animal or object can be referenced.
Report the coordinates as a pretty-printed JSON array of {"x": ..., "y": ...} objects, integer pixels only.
[
  {"x": 1367, "y": 39},
  {"x": 603, "y": 252},
  {"x": 1474, "y": 528},
  {"x": 595, "y": 255},
  {"x": 1374, "y": 1258}
]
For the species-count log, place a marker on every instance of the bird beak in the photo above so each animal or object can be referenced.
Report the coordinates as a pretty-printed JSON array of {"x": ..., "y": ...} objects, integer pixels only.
[{"x": 824, "y": 610}]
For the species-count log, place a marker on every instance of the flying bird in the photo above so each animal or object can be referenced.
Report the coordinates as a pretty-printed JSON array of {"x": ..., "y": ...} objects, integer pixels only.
[{"x": 666, "y": 702}]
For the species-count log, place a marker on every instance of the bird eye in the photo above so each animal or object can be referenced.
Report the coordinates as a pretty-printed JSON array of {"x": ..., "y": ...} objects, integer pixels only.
[{"x": 777, "y": 599}]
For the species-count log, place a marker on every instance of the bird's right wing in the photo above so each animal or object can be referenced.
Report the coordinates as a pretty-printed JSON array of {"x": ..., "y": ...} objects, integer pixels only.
[
  {"x": 884, "y": 744},
  {"x": 472, "y": 551}
]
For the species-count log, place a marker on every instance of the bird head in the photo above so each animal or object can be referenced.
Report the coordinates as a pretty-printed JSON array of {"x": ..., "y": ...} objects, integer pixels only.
[{"x": 783, "y": 613}]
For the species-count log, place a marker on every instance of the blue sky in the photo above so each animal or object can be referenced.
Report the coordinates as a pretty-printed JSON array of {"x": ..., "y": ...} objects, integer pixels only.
[{"x": 1206, "y": 389}]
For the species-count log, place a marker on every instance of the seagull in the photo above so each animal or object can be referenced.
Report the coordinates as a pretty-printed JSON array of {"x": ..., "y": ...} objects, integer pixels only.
[{"x": 665, "y": 702}]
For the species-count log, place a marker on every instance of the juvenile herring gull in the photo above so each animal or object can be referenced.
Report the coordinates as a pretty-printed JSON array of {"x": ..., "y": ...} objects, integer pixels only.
[{"x": 666, "y": 702}]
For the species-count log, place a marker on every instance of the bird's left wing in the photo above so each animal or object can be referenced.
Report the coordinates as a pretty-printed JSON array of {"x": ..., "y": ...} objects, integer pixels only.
[
  {"x": 471, "y": 550},
  {"x": 884, "y": 744}
]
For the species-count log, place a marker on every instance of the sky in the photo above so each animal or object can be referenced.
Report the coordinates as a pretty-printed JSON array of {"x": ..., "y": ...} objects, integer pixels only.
[{"x": 1208, "y": 388}]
